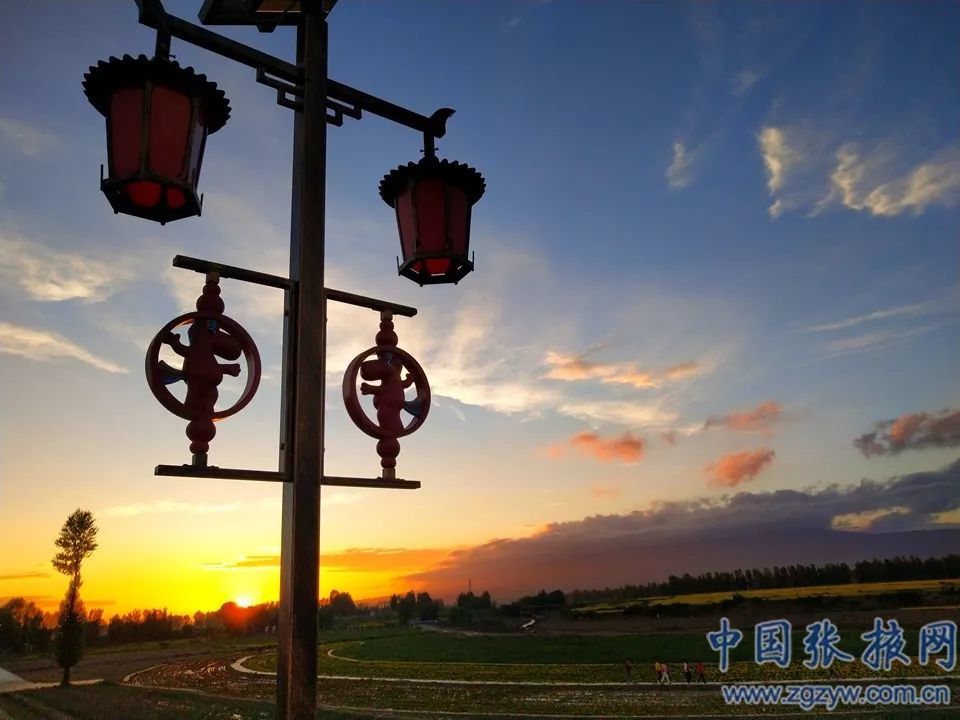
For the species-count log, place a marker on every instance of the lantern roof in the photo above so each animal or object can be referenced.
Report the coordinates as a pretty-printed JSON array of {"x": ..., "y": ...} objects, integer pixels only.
[
  {"x": 432, "y": 168},
  {"x": 104, "y": 78}
]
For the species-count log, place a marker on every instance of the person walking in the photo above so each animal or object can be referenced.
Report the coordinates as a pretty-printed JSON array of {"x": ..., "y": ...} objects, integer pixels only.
[
  {"x": 700, "y": 676},
  {"x": 664, "y": 674},
  {"x": 687, "y": 672}
]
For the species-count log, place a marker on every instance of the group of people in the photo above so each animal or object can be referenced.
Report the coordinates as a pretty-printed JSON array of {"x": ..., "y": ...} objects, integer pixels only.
[{"x": 662, "y": 671}]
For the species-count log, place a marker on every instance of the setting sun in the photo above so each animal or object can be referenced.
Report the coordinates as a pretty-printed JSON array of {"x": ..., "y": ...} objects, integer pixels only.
[{"x": 244, "y": 601}]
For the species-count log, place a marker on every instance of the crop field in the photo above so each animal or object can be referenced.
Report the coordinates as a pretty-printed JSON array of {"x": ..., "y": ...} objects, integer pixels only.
[
  {"x": 400, "y": 673},
  {"x": 847, "y": 590},
  {"x": 566, "y": 659}
]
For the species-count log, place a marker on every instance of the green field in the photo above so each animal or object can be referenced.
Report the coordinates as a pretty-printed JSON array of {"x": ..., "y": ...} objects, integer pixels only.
[{"x": 569, "y": 658}]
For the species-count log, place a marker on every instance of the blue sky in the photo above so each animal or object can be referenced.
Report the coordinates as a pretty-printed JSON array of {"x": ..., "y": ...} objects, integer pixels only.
[{"x": 694, "y": 210}]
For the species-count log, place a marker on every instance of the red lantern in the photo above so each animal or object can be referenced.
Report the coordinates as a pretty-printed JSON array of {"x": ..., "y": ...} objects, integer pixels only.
[
  {"x": 158, "y": 118},
  {"x": 433, "y": 200}
]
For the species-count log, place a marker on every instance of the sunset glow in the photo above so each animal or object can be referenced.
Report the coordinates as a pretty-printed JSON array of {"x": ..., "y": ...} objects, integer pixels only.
[{"x": 713, "y": 322}]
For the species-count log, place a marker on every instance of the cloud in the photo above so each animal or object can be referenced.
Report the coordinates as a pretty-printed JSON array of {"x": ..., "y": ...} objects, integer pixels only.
[
  {"x": 626, "y": 448},
  {"x": 166, "y": 507},
  {"x": 51, "y": 275},
  {"x": 858, "y": 183},
  {"x": 24, "y": 576},
  {"x": 26, "y": 138},
  {"x": 746, "y": 529},
  {"x": 576, "y": 367},
  {"x": 779, "y": 157},
  {"x": 866, "y": 519},
  {"x": 911, "y": 431},
  {"x": 743, "y": 81},
  {"x": 760, "y": 419},
  {"x": 355, "y": 560},
  {"x": 873, "y": 342},
  {"x": 44, "y": 345},
  {"x": 679, "y": 174},
  {"x": 600, "y": 493},
  {"x": 736, "y": 468},
  {"x": 650, "y": 415},
  {"x": 903, "y": 311}
]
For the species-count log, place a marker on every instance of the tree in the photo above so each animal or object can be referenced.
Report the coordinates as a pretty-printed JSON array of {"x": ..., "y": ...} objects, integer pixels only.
[{"x": 77, "y": 541}]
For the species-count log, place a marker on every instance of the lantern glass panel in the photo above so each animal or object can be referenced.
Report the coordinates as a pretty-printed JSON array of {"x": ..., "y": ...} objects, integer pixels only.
[
  {"x": 144, "y": 193},
  {"x": 196, "y": 148},
  {"x": 126, "y": 118},
  {"x": 175, "y": 198},
  {"x": 438, "y": 266},
  {"x": 407, "y": 224},
  {"x": 458, "y": 222},
  {"x": 431, "y": 215},
  {"x": 169, "y": 128}
]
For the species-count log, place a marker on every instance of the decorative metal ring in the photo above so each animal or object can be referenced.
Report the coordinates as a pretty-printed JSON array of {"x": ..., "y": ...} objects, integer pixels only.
[
  {"x": 155, "y": 372},
  {"x": 418, "y": 407}
]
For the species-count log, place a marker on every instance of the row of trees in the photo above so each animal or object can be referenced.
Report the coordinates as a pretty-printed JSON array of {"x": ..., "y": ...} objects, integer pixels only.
[
  {"x": 415, "y": 606},
  {"x": 887, "y": 570}
]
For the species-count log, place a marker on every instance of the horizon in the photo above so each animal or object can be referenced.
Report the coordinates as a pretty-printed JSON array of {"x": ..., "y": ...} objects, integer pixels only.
[{"x": 714, "y": 299}]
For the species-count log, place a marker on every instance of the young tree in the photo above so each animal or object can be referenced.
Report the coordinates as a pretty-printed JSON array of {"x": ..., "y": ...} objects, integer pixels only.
[{"x": 77, "y": 541}]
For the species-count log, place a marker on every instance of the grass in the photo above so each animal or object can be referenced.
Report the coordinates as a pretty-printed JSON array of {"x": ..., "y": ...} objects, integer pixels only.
[
  {"x": 572, "y": 658},
  {"x": 569, "y": 649}
]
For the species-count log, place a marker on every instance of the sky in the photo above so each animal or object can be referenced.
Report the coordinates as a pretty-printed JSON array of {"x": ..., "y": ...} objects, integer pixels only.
[{"x": 716, "y": 287}]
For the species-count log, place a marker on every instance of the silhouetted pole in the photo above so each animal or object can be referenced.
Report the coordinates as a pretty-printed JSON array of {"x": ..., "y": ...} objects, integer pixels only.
[{"x": 304, "y": 374}]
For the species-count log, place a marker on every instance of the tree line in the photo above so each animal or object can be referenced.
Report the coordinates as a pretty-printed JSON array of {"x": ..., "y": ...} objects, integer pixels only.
[{"x": 893, "y": 569}]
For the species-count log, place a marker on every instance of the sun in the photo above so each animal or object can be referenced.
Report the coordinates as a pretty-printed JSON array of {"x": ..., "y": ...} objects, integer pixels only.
[{"x": 244, "y": 601}]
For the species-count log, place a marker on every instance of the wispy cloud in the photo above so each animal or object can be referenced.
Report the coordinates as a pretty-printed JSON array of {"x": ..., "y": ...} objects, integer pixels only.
[
  {"x": 26, "y": 138},
  {"x": 874, "y": 341},
  {"x": 167, "y": 507},
  {"x": 902, "y": 311},
  {"x": 743, "y": 81},
  {"x": 735, "y": 468},
  {"x": 625, "y": 448},
  {"x": 859, "y": 182},
  {"x": 51, "y": 275},
  {"x": 577, "y": 367},
  {"x": 631, "y": 414},
  {"x": 911, "y": 431},
  {"x": 24, "y": 576},
  {"x": 759, "y": 419},
  {"x": 600, "y": 492},
  {"x": 680, "y": 172},
  {"x": 44, "y": 345},
  {"x": 779, "y": 157}
]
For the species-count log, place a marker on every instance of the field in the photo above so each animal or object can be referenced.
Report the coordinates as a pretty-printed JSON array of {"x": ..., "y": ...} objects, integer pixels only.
[
  {"x": 389, "y": 672},
  {"x": 849, "y": 590}
]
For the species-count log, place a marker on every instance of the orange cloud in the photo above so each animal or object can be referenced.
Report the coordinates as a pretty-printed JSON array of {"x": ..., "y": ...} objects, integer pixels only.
[
  {"x": 599, "y": 493},
  {"x": 912, "y": 431},
  {"x": 761, "y": 419},
  {"x": 735, "y": 468},
  {"x": 626, "y": 448},
  {"x": 575, "y": 367}
]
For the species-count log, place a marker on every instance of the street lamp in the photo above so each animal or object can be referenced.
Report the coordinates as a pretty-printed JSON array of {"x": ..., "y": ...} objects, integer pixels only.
[
  {"x": 432, "y": 200},
  {"x": 158, "y": 117}
]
